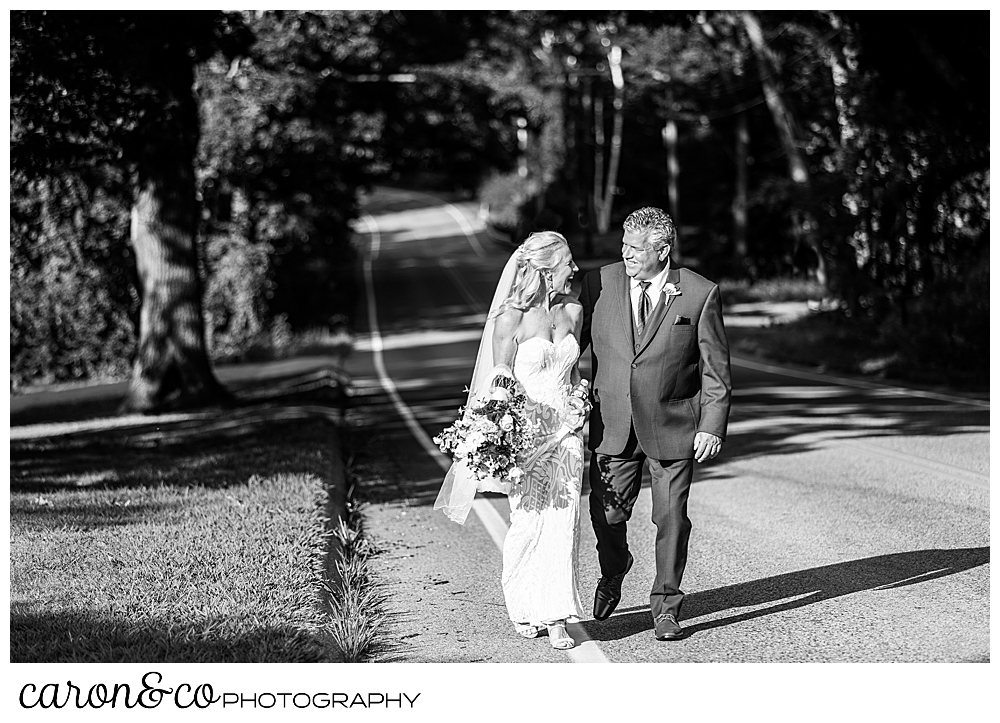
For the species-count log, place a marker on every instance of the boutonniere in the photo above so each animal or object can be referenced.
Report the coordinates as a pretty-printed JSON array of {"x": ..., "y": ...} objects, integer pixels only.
[{"x": 671, "y": 290}]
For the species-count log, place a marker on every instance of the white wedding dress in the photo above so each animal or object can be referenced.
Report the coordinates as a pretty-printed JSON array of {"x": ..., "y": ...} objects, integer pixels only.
[{"x": 540, "y": 551}]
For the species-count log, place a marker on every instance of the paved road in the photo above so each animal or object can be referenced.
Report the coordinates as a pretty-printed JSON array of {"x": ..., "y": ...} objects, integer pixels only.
[{"x": 845, "y": 521}]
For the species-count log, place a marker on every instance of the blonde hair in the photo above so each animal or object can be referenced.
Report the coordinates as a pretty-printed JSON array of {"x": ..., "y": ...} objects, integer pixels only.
[{"x": 537, "y": 255}]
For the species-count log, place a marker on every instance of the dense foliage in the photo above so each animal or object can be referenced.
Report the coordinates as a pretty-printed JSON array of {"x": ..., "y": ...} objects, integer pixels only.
[
  {"x": 785, "y": 143},
  {"x": 100, "y": 107},
  {"x": 72, "y": 302}
]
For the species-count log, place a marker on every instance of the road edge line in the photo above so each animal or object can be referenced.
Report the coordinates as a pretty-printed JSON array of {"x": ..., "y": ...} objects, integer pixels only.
[
  {"x": 928, "y": 465},
  {"x": 587, "y": 651}
]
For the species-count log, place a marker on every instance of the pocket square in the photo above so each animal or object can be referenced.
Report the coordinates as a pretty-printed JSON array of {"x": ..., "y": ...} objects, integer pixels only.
[{"x": 682, "y": 320}]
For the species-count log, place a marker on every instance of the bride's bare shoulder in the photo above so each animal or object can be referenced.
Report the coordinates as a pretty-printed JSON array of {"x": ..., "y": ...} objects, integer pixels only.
[
  {"x": 510, "y": 314},
  {"x": 571, "y": 304},
  {"x": 508, "y": 321}
]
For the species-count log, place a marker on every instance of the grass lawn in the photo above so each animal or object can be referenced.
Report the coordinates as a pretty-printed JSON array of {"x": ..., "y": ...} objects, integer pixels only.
[{"x": 194, "y": 546}]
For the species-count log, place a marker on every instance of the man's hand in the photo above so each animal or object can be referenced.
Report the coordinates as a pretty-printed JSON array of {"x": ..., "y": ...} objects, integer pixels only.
[{"x": 706, "y": 446}]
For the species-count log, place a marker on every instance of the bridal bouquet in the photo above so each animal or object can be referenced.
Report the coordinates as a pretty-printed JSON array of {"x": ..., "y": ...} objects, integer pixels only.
[{"x": 491, "y": 435}]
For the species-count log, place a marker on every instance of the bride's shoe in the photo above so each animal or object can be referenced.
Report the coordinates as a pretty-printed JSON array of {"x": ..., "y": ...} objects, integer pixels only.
[
  {"x": 559, "y": 638},
  {"x": 527, "y": 630}
]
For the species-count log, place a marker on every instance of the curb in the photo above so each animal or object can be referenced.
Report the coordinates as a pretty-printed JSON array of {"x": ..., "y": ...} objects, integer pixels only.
[{"x": 335, "y": 507}]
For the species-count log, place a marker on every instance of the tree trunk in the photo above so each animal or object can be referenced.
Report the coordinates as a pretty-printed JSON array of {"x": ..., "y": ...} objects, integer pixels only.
[
  {"x": 741, "y": 152},
  {"x": 803, "y": 226},
  {"x": 611, "y": 181},
  {"x": 598, "y": 157},
  {"x": 574, "y": 166},
  {"x": 552, "y": 140},
  {"x": 171, "y": 369},
  {"x": 740, "y": 249},
  {"x": 588, "y": 198},
  {"x": 673, "y": 176}
]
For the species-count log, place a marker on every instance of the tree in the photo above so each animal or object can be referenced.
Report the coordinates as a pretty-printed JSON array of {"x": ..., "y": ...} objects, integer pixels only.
[
  {"x": 805, "y": 142},
  {"x": 917, "y": 180},
  {"x": 318, "y": 107},
  {"x": 604, "y": 201},
  {"x": 287, "y": 144},
  {"x": 786, "y": 125},
  {"x": 116, "y": 89},
  {"x": 172, "y": 367}
]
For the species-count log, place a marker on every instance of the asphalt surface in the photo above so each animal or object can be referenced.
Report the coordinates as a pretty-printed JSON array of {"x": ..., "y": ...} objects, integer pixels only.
[{"x": 844, "y": 521}]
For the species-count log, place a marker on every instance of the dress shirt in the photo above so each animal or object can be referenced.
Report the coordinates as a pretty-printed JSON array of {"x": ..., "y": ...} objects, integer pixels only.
[{"x": 655, "y": 290}]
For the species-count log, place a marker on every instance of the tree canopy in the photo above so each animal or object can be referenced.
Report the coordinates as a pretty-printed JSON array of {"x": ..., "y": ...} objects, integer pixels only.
[{"x": 785, "y": 143}]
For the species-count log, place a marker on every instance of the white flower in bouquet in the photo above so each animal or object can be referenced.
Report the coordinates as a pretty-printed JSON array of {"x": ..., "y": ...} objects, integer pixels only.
[{"x": 492, "y": 435}]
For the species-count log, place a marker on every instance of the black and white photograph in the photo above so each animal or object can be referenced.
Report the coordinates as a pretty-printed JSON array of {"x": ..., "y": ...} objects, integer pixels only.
[{"x": 414, "y": 341}]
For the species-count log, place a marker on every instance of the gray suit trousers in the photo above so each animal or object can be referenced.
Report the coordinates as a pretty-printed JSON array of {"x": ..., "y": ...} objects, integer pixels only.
[{"x": 614, "y": 487}]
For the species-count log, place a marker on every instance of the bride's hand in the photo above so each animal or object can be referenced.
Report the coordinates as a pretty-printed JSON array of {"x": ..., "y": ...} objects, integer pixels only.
[
  {"x": 575, "y": 413},
  {"x": 503, "y": 381}
]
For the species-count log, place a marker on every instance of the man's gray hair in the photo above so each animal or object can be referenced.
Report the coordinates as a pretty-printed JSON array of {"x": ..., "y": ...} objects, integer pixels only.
[{"x": 653, "y": 224}]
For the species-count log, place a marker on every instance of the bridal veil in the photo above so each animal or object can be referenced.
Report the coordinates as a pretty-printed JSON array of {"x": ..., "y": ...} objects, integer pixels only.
[{"x": 460, "y": 485}]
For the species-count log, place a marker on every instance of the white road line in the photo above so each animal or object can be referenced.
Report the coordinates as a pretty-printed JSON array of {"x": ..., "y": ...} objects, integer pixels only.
[
  {"x": 376, "y": 340},
  {"x": 491, "y": 520},
  {"x": 856, "y": 383},
  {"x": 466, "y": 229},
  {"x": 587, "y": 651}
]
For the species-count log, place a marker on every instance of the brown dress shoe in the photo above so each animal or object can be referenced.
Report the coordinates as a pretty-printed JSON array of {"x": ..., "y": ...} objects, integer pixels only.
[
  {"x": 609, "y": 592},
  {"x": 665, "y": 627}
]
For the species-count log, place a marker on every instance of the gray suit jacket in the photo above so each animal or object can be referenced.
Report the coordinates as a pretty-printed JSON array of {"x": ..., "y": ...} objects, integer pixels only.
[{"x": 672, "y": 381}]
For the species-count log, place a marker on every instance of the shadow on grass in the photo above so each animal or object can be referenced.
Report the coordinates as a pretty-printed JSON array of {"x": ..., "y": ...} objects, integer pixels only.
[
  {"x": 210, "y": 453},
  {"x": 798, "y": 589},
  {"x": 154, "y": 470},
  {"x": 314, "y": 375},
  {"x": 385, "y": 649},
  {"x": 62, "y": 637},
  {"x": 81, "y": 444}
]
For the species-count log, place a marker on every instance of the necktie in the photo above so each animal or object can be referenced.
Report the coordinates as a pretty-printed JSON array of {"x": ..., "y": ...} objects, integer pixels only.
[{"x": 644, "y": 305}]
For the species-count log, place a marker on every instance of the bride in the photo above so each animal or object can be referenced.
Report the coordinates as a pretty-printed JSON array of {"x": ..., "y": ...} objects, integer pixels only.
[{"x": 532, "y": 335}]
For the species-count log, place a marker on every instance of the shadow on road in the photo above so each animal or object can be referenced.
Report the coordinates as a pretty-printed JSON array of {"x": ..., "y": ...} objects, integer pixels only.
[
  {"x": 769, "y": 420},
  {"x": 781, "y": 425},
  {"x": 797, "y": 589},
  {"x": 771, "y": 415}
]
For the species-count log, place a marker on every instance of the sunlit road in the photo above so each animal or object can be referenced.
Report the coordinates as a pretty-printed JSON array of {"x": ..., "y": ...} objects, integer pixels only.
[{"x": 844, "y": 521}]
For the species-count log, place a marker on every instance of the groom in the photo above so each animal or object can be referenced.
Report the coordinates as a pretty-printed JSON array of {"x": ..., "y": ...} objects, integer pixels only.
[{"x": 661, "y": 392}]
